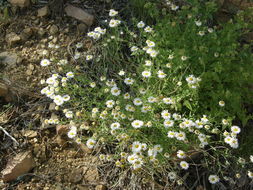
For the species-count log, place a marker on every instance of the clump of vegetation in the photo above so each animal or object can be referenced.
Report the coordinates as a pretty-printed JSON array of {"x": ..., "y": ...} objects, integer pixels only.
[{"x": 162, "y": 97}]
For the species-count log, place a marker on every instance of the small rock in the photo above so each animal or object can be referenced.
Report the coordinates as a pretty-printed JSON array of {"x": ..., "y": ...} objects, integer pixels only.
[
  {"x": 52, "y": 106},
  {"x": 84, "y": 148},
  {"x": 26, "y": 34},
  {"x": 30, "y": 134},
  {"x": 79, "y": 14},
  {"x": 12, "y": 38},
  {"x": 19, "y": 165},
  {"x": 100, "y": 187},
  {"x": 82, "y": 28},
  {"x": 76, "y": 176},
  {"x": 81, "y": 187},
  {"x": 29, "y": 72},
  {"x": 44, "y": 11},
  {"x": 31, "y": 67},
  {"x": 9, "y": 59},
  {"x": 20, "y": 3},
  {"x": 41, "y": 32},
  {"x": 62, "y": 129},
  {"x": 53, "y": 30},
  {"x": 91, "y": 175}
]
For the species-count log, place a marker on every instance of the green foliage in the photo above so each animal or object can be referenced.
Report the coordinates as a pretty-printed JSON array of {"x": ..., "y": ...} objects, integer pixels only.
[{"x": 177, "y": 86}]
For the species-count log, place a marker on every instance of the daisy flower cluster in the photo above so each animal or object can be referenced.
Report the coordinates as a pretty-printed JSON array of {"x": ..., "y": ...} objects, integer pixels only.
[{"x": 147, "y": 113}]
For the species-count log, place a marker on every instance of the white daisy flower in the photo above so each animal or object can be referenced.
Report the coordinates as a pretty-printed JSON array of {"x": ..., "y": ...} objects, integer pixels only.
[
  {"x": 213, "y": 179},
  {"x": 110, "y": 103},
  {"x": 134, "y": 48},
  {"x": 69, "y": 114},
  {"x": 148, "y": 63},
  {"x": 168, "y": 101},
  {"x": 136, "y": 147},
  {"x": 137, "y": 101},
  {"x": 181, "y": 154},
  {"x": 171, "y": 134},
  {"x": 72, "y": 133},
  {"x": 66, "y": 98},
  {"x": 235, "y": 129},
  {"x": 221, "y": 103},
  {"x": 184, "y": 165},
  {"x": 90, "y": 143},
  {"x": 137, "y": 123},
  {"x": 129, "y": 81},
  {"x": 168, "y": 123},
  {"x": 165, "y": 114},
  {"x": 141, "y": 24},
  {"x": 180, "y": 136},
  {"x": 121, "y": 73},
  {"x": 127, "y": 96},
  {"x": 152, "y": 99},
  {"x": 158, "y": 148},
  {"x": 115, "y": 91},
  {"x": 113, "y": 13},
  {"x": 161, "y": 74},
  {"x": 114, "y": 23},
  {"x": 70, "y": 75},
  {"x": 115, "y": 125},
  {"x": 45, "y": 62},
  {"x": 148, "y": 29},
  {"x": 198, "y": 22},
  {"x": 146, "y": 74},
  {"x": 89, "y": 57}
]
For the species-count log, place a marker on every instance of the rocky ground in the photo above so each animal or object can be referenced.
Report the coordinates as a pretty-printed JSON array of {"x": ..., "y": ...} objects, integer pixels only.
[{"x": 34, "y": 155}]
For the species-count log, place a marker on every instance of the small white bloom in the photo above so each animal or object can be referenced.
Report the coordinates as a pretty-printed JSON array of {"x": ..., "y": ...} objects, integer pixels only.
[
  {"x": 72, "y": 133},
  {"x": 90, "y": 143},
  {"x": 115, "y": 91},
  {"x": 221, "y": 103},
  {"x": 69, "y": 114},
  {"x": 129, "y": 81},
  {"x": 146, "y": 74},
  {"x": 148, "y": 29},
  {"x": 114, "y": 23},
  {"x": 45, "y": 62},
  {"x": 235, "y": 129},
  {"x": 113, "y": 13},
  {"x": 161, "y": 74},
  {"x": 115, "y": 125},
  {"x": 110, "y": 103},
  {"x": 141, "y": 24},
  {"x": 168, "y": 123},
  {"x": 198, "y": 22},
  {"x": 136, "y": 147},
  {"x": 89, "y": 57},
  {"x": 213, "y": 179},
  {"x": 184, "y": 165},
  {"x": 137, "y": 101},
  {"x": 181, "y": 154},
  {"x": 148, "y": 63},
  {"x": 121, "y": 73},
  {"x": 137, "y": 124},
  {"x": 70, "y": 75},
  {"x": 134, "y": 48}
]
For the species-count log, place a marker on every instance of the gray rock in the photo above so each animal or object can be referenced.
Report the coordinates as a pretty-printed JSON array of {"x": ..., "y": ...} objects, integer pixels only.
[
  {"x": 44, "y": 11},
  {"x": 21, "y": 164},
  {"x": 82, "y": 28},
  {"x": 20, "y": 3},
  {"x": 10, "y": 60},
  {"x": 12, "y": 38},
  {"x": 53, "y": 30},
  {"x": 79, "y": 14}
]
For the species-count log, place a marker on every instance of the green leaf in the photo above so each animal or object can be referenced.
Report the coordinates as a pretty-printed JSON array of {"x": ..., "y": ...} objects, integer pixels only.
[{"x": 188, "y": 105}]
